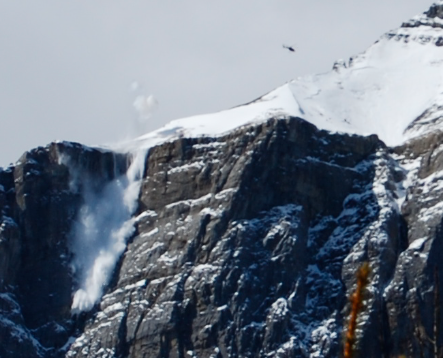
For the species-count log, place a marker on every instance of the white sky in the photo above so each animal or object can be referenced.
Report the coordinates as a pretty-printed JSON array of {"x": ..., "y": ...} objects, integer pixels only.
[{"x": 66, "y": 67}]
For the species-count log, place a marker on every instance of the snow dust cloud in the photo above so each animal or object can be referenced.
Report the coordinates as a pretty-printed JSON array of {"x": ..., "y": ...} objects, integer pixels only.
[
  {"x": 145, "y": 107},
  {"x": 103, "y": 225}
]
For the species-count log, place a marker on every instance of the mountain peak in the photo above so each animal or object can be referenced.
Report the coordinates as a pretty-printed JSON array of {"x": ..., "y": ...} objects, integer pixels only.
[
  {"x": 433, "y": 17},
  {"x": 436, "y": 10},
  {"x": 394, "y": 89}
]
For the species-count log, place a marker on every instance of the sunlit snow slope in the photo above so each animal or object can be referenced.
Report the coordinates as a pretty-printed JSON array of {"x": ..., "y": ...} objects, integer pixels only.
[
  {"x": 394, "y": 89},
  {"x": 391, "y": 90}
]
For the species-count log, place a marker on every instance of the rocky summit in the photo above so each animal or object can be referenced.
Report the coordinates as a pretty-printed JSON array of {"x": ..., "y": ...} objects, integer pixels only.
[{"x": 239, "y": 234}]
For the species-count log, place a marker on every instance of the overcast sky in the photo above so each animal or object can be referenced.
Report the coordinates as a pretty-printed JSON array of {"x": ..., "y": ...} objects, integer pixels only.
[{"x": 72, "y": 70}]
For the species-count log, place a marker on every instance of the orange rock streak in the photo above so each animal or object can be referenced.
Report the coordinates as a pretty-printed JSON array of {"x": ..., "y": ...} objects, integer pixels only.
[{"x": 356, "y": 306}]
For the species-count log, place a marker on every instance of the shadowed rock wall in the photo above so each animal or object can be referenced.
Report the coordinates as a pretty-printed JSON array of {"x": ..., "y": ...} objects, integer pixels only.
[{"x": 245, "y": 246}]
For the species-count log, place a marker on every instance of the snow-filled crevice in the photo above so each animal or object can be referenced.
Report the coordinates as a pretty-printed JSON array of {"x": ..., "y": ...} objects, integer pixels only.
[{"x": 101, "y": 229}]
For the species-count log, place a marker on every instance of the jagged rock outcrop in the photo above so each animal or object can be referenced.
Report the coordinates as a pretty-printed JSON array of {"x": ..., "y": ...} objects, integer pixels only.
[
  {"x": 223, "y": 244},
  {"x": 246, "y": 245},
  {"x": 38, "y": 206},
  {"x": 428, "y": 18},
  {"x": 243, "y": 243}
]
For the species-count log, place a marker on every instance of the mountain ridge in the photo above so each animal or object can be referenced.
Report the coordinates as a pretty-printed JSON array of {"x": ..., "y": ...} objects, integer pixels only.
[
  {"x": 238, "y": 234},
  {"x": 353, "y": 86}
]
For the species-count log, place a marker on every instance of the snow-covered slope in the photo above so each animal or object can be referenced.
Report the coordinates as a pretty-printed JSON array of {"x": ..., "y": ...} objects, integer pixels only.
[
  {"x": 244, "y": 245},
  {"x": 382, "y": 91}
]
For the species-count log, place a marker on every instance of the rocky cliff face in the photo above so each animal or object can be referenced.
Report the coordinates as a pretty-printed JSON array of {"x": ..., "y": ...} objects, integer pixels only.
[
  {"x": 38, "y": 206},
  {"x": 223, "y": 263},
  {"x": 246, "y": 245},
  {"x": 242, "y": 244}
]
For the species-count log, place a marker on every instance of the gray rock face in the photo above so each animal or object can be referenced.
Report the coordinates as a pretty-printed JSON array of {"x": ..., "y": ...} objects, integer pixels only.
[
  {"x": 224, "y": 244},
  {"x": 245, "y": 245},
  {"x": 38, "y": 207},
  {"x": 428, "y": 18}
]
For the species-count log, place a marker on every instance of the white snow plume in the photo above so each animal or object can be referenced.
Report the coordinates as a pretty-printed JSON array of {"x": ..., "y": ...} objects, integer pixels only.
[
  {"x": 103, "y": 225},
  {"x": 145, "y": 107},
  {"x": 135, "y": 86}
]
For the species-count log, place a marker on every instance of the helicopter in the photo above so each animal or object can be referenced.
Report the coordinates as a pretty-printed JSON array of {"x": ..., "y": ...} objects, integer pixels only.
[{"x": 290, "y": 48}]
